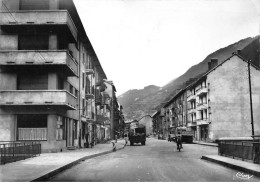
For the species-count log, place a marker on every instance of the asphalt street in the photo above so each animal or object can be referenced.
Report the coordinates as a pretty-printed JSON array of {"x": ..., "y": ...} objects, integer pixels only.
[{"x": 157, "y": 161}]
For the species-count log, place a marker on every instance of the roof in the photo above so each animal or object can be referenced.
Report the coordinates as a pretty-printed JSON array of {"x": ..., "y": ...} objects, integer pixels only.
[
  {"x": 233, "y": 54},
  {"x": 82, "y": 35},
  {"x": 174, "y": 97},
  {"x": 156, "y": 113},
  {"x": 205, "y": 74}
]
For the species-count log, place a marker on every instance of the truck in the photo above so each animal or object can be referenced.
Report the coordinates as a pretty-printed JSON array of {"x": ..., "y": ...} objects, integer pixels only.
[
  {"x": 187, "y": 134},
  {"x": 137, "y": 135}
]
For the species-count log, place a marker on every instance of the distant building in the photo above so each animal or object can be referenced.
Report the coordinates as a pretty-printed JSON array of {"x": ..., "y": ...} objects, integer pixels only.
[
  {"x": 175, "y": 112},
  {"x": 147, "y": 121},
  {"x": 219, "y": 102}
]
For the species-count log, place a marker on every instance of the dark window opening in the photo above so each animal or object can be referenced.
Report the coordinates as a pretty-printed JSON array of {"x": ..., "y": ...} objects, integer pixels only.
[
  {"x": 34, "y": 5},
  {"x": 32, "y": 82},
  {"x": 60, "y": 83},
  {"x": 32, "y": 121},
  {"x": 62, "y": 41},
  {"x": 71, "y": 89},
  {"x": 33, "y": 42}
]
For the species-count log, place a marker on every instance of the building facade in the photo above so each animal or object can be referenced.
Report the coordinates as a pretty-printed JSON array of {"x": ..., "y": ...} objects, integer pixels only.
[
  {"x": 219, "y": 102},
  {"x": 51, "y": 81},
  {"x": 147, "y": 121}
]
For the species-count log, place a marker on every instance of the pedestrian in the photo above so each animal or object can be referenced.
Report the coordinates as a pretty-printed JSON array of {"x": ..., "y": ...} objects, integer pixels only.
[
  {"x": 126, "y": 139},
  {"x": 113, "y": 146},
  {"x": 87, "y": 143},
  {"x": 179, "y": 140},
  {"x": 116, "y": 138}
]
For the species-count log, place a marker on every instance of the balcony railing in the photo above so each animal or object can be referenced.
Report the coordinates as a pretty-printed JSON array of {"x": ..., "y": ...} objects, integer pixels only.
[
  {"x": 191, "y": 97},
  {"x": 89, "y": 71},
  {"x": 191, "y": 123},
  {"x": 202, "y": 90},
  {"x": 15, "y": 151},
  {"x": 58, "y": 60},
  {"x": 244, "y": 150},
  {"x": 89, "y": 95},
  {"x": 60, "y": 98},
  {"x": 38, "y": 17},
  {"x": 201, "y": 106}
]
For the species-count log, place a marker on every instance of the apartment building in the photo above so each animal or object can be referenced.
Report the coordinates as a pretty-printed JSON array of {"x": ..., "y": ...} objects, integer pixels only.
[
  {"x": 51, "y": 81},
  {"x": 219, "y": 102},
  {"x": 175, "y": 112}
]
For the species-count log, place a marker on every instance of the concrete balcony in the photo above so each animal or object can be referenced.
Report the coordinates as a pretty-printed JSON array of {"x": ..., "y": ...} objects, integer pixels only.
[
  {"x": 191, "y": 124},
  {"x": 89, "y": 96},
  {"x": 193, "y": 110},
  {"x": 47, "y": 98},
  {"x": 202, "y": 106},
  {"x": 89, "y": 72},
  {"x": 191, "y": 97},
  {"x": 55, "y": 18},
  {"x": 202, "y": 121},
  {"x": 102, "y": 118},
  {"x": 202, "y": 91},
  {"x": 48, "y": 60}
]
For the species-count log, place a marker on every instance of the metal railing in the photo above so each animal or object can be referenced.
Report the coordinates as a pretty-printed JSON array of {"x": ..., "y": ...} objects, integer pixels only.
[
  {"x": 245, "y": 150},
  {"x": 11, "y": 151}
]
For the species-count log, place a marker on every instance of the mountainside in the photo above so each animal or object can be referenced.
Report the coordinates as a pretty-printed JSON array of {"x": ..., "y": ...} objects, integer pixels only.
[{"x": 137, "y": 103}]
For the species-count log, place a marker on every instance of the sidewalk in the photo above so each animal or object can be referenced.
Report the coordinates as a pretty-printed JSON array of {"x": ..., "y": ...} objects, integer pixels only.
[
  {"x": 246, "y": 167},
  {"x": 47, "y": 165},
  {"x": 236, "y": 164},
  {"x": 204, "y": 143}
]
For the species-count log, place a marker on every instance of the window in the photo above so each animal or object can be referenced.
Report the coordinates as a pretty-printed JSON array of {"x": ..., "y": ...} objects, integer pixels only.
[
  {"x": 32, "y": 127},
  {"x": 76, "y": 93},
  {"x": 71, "y": 89},
  {"x": 34, "y": 5},
  {"x": 33, "y": 42},
  {"x": 83, "y": 80},
  {"x": 32, "y": 82},
  {"x": 60, "y": 83}
]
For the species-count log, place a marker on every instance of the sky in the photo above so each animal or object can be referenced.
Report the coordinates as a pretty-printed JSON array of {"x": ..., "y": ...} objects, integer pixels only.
[{"x": 151, "y": 42}]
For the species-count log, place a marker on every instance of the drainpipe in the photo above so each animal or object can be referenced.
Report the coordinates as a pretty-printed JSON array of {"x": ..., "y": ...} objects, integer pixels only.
[
  {"x": 251, "y": 106},
  {"x": 79, "y": 99}
]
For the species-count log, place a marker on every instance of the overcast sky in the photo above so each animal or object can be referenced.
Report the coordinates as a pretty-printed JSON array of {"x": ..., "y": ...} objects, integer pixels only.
[{"x": 151, "y": 42}]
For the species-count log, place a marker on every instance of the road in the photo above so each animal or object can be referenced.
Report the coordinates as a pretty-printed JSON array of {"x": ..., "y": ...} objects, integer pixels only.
[{"x": 157, "y": 161}]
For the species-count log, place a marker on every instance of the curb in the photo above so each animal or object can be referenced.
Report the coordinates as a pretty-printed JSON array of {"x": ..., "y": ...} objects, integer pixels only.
[
  {"x": 232, "y": 166},
  {"x": 205, "y": 144},
  {"x": 62, "y": 168}
]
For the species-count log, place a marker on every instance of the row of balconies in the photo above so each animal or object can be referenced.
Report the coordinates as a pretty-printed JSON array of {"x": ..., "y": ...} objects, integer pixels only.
[
  {"x": 58, "y": 60},
  {"x": 199, "y": 92},
  {"x": 58, "y": 19},
  {"x": 52, "y": 98}
]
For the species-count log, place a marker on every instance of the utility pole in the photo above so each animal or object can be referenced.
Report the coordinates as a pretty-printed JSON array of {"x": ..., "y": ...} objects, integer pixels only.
[
  {"x": 112, "y": 115},
  {"x": 250, "y": 93}
]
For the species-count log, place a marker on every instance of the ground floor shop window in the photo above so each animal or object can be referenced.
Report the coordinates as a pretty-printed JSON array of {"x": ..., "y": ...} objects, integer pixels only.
[{"x": 31, "y": 127}]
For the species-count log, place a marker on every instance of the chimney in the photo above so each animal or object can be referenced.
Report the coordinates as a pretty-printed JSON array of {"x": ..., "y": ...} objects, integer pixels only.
[
  {"x": 239, "y": 51},
  {"x": 212, "y": 63}
]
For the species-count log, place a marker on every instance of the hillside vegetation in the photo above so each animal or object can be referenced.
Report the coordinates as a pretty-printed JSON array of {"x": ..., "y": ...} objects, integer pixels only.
[{"x": 139, "y": 102}]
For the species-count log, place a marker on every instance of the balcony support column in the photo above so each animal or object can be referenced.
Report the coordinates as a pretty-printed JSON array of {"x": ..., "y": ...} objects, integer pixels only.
[
  {"x": 52, "y": 81},
  {"x": 54, "y": 4},
  {"x": 53, "y": 42}
]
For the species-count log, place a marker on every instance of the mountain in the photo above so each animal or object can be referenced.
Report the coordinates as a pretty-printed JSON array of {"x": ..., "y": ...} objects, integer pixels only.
[{"x": 139, "y": 102}]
